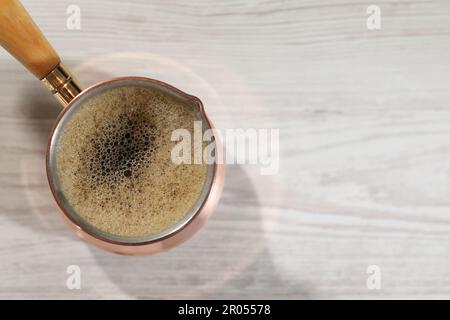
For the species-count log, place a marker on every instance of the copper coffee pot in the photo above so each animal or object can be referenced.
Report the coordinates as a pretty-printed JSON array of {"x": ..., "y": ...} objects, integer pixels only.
[{"x": 21, "y": 37}]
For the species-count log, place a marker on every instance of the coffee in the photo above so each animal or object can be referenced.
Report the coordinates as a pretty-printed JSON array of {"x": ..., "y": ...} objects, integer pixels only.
[{"x": 114, "y": 167}]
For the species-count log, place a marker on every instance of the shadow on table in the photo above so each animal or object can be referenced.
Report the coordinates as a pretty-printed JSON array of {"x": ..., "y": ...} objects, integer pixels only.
[
  {"x": 40, "y": 110},
  {"x": 226, "y": 259}
]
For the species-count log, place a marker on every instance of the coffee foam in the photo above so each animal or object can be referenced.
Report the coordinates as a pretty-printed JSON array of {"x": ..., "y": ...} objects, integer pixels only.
[{"x": 113, "y": 162}]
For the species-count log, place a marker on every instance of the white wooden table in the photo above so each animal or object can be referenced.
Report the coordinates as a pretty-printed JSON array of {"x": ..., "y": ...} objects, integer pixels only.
[{"x": 364, "y": 120}]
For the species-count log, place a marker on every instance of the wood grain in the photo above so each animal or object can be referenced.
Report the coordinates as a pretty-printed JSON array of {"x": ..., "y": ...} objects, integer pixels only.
[{"x": 364, "y": 149}]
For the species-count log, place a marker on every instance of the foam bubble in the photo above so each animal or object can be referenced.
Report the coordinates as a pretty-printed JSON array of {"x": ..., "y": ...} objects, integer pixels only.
[{"x": 113, "y": 162}]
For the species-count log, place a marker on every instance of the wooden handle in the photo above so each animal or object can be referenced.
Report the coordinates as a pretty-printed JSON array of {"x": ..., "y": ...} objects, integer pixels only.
[{"x": 21, "y": 37}]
